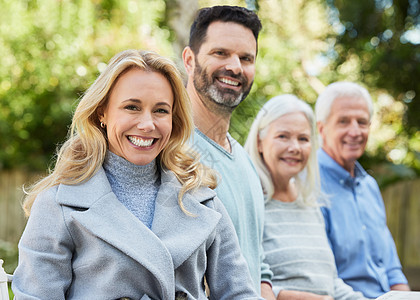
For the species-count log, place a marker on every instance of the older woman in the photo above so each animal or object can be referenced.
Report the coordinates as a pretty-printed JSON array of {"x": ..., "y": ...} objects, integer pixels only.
[
  {"x": 127, "y": 211},
  {"x": 282, "y": 145}
]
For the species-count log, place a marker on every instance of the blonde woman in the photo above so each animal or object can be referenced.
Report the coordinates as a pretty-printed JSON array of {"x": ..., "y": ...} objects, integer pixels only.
[
  {"x": 282, "y": 145},
  {"x": 128, "y": 210}
]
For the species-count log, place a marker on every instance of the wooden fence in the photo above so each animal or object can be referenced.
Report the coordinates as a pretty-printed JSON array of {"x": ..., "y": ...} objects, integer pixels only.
[
  {"x": 12, "y": 220},
  {"x": 402, "y": 202}
]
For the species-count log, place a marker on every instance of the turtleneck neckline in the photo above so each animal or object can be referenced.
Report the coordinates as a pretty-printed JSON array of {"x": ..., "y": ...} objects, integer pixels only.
[
  {"x": 135, "y": 186},
  {"x": 116, "y": 162}
]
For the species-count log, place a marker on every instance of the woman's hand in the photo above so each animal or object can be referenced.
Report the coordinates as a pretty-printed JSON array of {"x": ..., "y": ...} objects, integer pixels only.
[
  {"x": 296, "y": 295},
  {"x": 267, "y": 291},
  {"x": 400, "y": 287}
]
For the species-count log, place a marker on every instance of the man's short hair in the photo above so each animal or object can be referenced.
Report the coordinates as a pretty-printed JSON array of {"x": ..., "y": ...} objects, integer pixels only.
[
  {"x": 224, "y": 13},
  {"x": 337, "y": 90}
]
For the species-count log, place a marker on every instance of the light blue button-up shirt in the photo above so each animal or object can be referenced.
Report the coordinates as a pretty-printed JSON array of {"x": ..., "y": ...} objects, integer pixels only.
[{"x": 355, "y": 222}]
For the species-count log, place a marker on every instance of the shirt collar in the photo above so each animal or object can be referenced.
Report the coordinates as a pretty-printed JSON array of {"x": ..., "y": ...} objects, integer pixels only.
[{"x": 338, "y": 171}]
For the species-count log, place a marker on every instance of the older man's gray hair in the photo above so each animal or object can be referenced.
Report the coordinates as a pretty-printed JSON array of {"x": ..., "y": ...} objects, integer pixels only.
[{"x": 340, "y": 89}]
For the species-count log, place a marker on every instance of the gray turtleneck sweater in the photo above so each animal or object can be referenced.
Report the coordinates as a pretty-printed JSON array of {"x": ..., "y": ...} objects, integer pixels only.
[{"x": 135, "y": 186}]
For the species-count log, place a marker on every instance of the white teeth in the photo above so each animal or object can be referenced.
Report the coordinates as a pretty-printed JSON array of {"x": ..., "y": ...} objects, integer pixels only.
[
  {"x": 353, "y": 144},
  {"x": 140, "y": 142},
  {"x": 290, "y": 160},
  {"x": 227, "y": 81}
]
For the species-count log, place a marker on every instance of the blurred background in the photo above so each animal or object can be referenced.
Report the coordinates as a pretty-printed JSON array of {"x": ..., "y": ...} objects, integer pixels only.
[{"x": 52, "y": 50}]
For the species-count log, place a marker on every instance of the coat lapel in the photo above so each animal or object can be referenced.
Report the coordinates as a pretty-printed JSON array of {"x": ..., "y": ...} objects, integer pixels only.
[
  {"x": 174, "y": 236},
  {"x": 108, "y": 219},
  {"x": 182, "y": 234}
]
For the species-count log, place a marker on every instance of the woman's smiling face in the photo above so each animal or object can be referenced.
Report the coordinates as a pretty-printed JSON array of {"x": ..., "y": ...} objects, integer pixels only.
[
  {"x": 286, "y": 146},
  {"x": 138, "y": 115}
]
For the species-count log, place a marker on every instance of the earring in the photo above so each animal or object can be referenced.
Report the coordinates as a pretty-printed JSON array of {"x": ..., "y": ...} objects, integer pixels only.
[{"x": 103, "y": 125}]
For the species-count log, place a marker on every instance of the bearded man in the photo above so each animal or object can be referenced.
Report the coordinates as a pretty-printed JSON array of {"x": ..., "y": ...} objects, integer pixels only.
[{"x": 220, "y": 64}]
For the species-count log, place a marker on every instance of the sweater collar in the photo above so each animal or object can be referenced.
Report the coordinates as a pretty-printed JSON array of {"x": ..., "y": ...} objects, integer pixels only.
[{"x": 128, "y": 173}]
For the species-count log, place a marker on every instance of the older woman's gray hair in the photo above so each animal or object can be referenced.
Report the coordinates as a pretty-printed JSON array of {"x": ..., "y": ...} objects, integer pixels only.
[
  {"x": 340, "y": 89},
  {"x": 308, "y": 179}
]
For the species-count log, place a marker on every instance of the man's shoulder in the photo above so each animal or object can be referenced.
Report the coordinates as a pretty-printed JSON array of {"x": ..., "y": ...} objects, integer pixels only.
[
  {"x": 324, "y": 160},
  {"x": 364, "y": 176}
]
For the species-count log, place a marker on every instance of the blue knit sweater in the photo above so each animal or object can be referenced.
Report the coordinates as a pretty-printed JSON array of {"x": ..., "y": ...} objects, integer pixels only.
[{"x": 135, "y": 186}]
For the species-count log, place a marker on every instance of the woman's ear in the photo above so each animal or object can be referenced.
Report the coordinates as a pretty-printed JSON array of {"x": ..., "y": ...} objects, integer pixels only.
[
  {"x": 100, "y": 113},
  {"x": 259, "y": 144},
  {"x": 320, "y": 127}
]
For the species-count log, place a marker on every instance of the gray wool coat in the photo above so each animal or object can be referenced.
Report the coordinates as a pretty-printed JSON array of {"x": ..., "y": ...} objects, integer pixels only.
[{"x": 80, "y": 242}]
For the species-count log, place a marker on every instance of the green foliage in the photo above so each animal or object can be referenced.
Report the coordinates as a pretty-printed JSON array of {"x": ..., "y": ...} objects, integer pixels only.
[
  {"x": 373, "y": 38},
  {"x": 51, "y": 52},
  {"x": 376, "y": 32},
  {"x": 9, "y": 255}
]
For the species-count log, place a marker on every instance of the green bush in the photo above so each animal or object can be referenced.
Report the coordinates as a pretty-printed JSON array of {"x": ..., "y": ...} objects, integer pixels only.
[
  {"x": 51, "y": 51},
  {"x": 9, "y": 254}
]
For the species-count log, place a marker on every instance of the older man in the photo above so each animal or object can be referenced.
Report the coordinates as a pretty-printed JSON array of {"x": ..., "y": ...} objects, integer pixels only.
[
  {"x": 220, "y": 63},
  {"x": 355, "y": 219}
]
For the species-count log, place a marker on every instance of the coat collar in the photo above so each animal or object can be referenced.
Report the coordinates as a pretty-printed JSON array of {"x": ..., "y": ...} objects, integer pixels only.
[
  {"x": 174, "y": 235},
  {"x": 181, "y": 233}
]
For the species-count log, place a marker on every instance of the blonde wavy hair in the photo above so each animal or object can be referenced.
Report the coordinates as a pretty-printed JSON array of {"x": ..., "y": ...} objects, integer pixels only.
[
  {"x": 83, "y": 153},
  {"x": 307, "y": 181}
]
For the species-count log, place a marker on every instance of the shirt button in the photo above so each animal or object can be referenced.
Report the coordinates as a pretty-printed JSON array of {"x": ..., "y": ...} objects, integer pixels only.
[
  {"x": 341, "y": 181},
  {"x": 364, "y": 227}
]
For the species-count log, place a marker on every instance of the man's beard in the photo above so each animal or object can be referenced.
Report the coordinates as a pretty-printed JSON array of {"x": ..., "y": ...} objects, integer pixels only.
[{"x": 222, "y": 100}]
